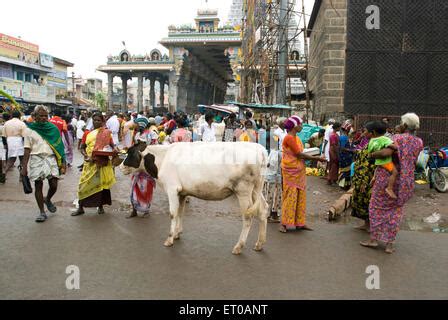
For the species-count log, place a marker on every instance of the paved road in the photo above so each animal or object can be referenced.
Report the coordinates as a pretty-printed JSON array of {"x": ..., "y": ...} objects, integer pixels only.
[{"x": 126, "y": 259}]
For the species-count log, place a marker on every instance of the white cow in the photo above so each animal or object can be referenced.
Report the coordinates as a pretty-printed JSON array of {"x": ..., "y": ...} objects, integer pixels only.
[{"x": 208, "y": 171}]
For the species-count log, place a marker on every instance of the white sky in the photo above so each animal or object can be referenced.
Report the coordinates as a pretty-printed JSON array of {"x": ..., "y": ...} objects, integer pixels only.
[{"x": 85, "y": 32}]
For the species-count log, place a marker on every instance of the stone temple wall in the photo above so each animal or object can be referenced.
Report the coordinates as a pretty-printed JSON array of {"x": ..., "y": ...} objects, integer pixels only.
[{"x": 327, "y": 60}]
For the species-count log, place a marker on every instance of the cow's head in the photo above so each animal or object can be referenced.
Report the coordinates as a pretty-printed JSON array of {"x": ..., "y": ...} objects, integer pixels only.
[{"x": 136, "y": 161}]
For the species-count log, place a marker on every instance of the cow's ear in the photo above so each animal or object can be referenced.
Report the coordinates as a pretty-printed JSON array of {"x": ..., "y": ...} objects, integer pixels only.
[
  {"x": 150, "y": 165},
  {"x": 141, "y": 146},
  {"x": 133, "y": 159}
]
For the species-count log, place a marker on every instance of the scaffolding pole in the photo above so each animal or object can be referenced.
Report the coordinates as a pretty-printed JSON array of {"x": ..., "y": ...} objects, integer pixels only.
[
  {"x": 269, "y": 35},
  {"x": 305, "y": 46}
]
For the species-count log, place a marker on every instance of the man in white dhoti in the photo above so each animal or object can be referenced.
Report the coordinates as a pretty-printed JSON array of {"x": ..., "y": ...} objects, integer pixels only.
[
  {"x": 45, "y": 154},
  {"x": 113, "y": 125},
  {"x": 328, "y": 130},
  {"x": 273, "y": 182},
  {"x": 13, "y": 131}
]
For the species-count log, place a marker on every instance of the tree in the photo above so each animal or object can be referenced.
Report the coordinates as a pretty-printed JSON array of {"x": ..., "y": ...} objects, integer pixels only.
[
  {"x": 10, "y": 98},
  {"x": 100, "y": 101}
]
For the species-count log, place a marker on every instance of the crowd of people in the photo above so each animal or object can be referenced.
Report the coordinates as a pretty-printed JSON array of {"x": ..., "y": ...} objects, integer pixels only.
[{"x": 376, "y": 161}]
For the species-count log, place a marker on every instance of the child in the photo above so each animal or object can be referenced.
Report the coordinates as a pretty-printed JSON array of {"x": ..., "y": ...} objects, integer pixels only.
[
  {"x": 249, "y": 134},
  {"x": 377, "y": 143},
  {"x": 398, "y": 129}
]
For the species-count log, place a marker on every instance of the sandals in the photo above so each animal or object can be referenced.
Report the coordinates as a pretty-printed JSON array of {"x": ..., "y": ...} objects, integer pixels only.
[
  {"x": 273, "y": 220},
  {"x": 132, "y": 215},
  {"x": 50, "y": 206},
  {"x": 101, "y": 211},
  {"x": 368, "y": 244},
  {"x": 77, "y": 213},
  {"x": 282, "y": 229},
  {"x": 389, "y": 249},
  {"x": 305, "y": 228},
  {"x": 41, "y": 218}
]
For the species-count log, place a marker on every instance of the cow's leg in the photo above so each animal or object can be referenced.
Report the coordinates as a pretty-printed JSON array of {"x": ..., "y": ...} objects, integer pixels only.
[
  {"x": 262, "y": 217},
  {"x": 173, "y": 198},
  {"x": 245, "y": 202},
  {"x": 179, "y": 227}
]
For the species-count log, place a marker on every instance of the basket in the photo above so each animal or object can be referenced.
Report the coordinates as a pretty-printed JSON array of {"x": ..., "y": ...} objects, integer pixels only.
[{"x": 103, "y": 153}]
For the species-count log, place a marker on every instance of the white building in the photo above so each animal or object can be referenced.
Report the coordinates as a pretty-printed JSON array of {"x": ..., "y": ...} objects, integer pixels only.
[
  {"x": 236, "y": 13},
  {"x": 295, "y": 46}
]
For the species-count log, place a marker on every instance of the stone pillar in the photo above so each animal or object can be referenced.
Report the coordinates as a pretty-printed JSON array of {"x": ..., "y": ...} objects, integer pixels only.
[
  {"x": 162, "y": 92},
  {"x": 199, "y": 97},
  {"x": 208, "y": 94},
  {"x": 152, "y": 94},
  {"x": 182, "y": 95},
  {"x": 110, "y": 90},
  {"x": 191, "y": 85},
  {"x": 173, "y": 90},
  {"x": 124, "y": 103},
  {"x": 140, "y": 93}
]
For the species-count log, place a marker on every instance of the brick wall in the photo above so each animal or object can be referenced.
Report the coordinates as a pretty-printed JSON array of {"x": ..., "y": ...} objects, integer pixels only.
[{"x": 327, "y": 60}]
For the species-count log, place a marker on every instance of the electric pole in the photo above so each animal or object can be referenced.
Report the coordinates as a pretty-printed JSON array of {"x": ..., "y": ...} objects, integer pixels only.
[{"x": 73, "y": 88}]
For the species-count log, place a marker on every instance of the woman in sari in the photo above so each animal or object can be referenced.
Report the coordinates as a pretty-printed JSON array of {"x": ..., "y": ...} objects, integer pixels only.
[
  {"x": 386, "y": 213},
  {"x": 97, "y": 176},
  {"x": 180, "y": 134},
  {"x": 333, "y": 165},
  {"x": 345, "y": 157},
  {"x": 364, "y": 170},
  {"x": 294, "y": 177},
  {"x": 67, "y": 139},
  {"x": 143, "y": 183}
]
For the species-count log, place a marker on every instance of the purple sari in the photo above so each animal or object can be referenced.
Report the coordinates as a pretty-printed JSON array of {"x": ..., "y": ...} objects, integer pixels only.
[
  {"x": 67, "y": 139},
  {"x": 385, "y": 213}
]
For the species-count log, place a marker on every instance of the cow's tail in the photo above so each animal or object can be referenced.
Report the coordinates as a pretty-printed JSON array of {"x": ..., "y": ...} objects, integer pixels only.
[
  {"x": 252, "y": 210},
  {"x": 257, "y": 195}
]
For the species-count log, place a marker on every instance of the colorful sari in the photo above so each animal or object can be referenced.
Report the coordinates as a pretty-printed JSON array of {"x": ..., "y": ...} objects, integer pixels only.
[
  {"x": 364, "y": 171},
  {"x": 143, "y": 186},
  {"x": 333, "y": 164},
  {"x": 362, "y": 143},
  {"x": 181, "y": 135},
  {"x": 294, "y": 183},
  {"x": 345, "y": 162},
  {"x": 97, "y": 178},
  {"x": 385, "y": 213},
  {"x": 67, "y": 140}
]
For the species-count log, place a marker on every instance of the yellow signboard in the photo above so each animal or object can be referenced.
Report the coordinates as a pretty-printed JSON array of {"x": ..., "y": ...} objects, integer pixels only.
[
  {"x": 11, "y": 87},
  {"x": 18, "y": 49}
]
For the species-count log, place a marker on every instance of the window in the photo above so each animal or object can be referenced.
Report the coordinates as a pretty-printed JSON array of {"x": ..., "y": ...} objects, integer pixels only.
[
  {"x": 20, "y": 76},
  {"x": 27, "y": 77}
]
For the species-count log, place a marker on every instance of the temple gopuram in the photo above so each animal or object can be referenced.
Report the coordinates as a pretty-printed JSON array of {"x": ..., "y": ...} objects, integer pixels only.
[{"x": 201, "y": 62}]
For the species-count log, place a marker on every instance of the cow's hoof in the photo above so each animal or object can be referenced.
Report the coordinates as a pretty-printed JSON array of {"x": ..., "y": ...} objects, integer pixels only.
[
  {"x": 168, "y": 243},
  {"x": 236, "y": 251},
  {"x": 258, "y": 247},
  {"x": 177, "y": 237}
]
